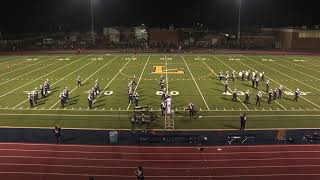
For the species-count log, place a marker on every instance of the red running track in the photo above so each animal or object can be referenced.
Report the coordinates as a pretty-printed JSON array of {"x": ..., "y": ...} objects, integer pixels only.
[{"x": 78, "y": 162}]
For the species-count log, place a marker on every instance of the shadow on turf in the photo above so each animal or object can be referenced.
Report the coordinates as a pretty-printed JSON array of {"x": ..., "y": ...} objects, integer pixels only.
[
  {"x": 85, "y": 84},
  {"x": 100, "y": 105},
  {"x": 228, "y": 99},
  {"x": 73, "y": 97},
  {"x": 99, "y": 101},
  {"x": 219, "y": 90},
  {"x": 246, "y": 85},
  {"x": 287, "y": 99},
  {"x": 70, "y": 104},
  {"x": 55, "y": 88}
]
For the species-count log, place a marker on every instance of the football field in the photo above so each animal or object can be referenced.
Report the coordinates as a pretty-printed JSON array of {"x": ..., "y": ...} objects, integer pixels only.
[{"x": 189, "y": 78}]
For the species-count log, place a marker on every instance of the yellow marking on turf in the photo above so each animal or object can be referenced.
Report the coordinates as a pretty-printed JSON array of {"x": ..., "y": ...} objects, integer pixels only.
[{"x": 164, "y": 70}]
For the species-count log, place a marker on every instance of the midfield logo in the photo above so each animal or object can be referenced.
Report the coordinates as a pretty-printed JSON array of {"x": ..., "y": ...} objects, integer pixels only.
[{"x": 164, "y": 70}]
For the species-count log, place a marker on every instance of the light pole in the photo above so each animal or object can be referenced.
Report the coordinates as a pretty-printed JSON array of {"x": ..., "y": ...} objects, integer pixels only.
[
  {"x": 239, "y": 21},
  {"x": 92, "y": 26}
]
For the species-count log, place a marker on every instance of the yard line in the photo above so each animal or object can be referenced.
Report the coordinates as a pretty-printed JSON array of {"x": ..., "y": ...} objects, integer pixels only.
[
  {"x": 261, "y": 91},
  {"x": 145, "y": 65},
  {"x": 283, "y": 73},
  {"x": 295, "y": 70},
  {"x": 88, "y": 78},
  {"x": 216, "y": 110},
  {"x": 311, "y": 62},
  {"x": 9, "y": 57},
  {"x": 276, "y": 81},
  {"x": 58, "y": 81},
  {"x": 167, "y": 81},
  {"x": 38, "y": 62},
  {"x": 221, "y": 81},
  {"x": 31, "y": 71},
  {"x": 195, "y": 82},
  {"x": 5, "y": 66},
  {"x": 10, "y": 61},
  {"x": 113, "y": 79},
  {"x": 44, "y": 76},
  {"x": 299, "y": 65}
]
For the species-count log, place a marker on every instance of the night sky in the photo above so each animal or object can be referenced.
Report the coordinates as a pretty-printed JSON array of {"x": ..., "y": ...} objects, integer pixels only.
[{"x": 19, "y": 16}]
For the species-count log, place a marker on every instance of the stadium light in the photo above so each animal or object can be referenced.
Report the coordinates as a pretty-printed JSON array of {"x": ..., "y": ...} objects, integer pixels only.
[
  {"x": 92, "y": 26},
  {"x": 239, "y": 21}
]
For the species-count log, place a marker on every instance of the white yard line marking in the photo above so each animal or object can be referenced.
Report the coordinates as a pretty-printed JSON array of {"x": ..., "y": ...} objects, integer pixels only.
[
  {"x": 42, "y": 76},
  {"x": 195, "y": 82},
  {"x": 217, "y": 77},
  {"x": 88, "y": 78},
  {"x": 113, "y": 79},
  {"x": 294, "y": 69},
  {"x": 261, "y": 91},
  {"x": 41, "y": 61},
  {"x": 59, "y": 80},
  {"x": 276, "y": 81},
  {"x": 202, "y": 110},
  {"x": 145, "y": 65},
  {"x": 167, "y": 81},
  {"x": 10, "y": 57},
  {"x": 299, "y": 64},
  {"x": 283, "y": 73},
  {"x": 8, "y": 62},
  {"x": 30, "y": 72}
]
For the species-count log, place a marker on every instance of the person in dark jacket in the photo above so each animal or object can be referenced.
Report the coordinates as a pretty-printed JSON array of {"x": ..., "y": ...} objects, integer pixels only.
[
  {"x": 243, "y": 120},
  {"x": 139, "y": 173},
  {"x": 57, "y": 134}
]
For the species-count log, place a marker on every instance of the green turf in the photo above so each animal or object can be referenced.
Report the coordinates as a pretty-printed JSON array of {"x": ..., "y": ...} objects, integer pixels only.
[{"x": 198, "y": 84}]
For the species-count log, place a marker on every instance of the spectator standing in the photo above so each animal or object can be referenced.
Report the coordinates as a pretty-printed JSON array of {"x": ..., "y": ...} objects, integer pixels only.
[
  {"x": 139, "y": 173},
  {"x": 133, "y": 121},
  {"x": 243, "y": 120},
  {"x": 57, "y": 134}
]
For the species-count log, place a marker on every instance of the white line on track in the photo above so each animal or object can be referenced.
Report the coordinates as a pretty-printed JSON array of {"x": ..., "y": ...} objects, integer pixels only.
[
  {"x": 254, "y": 147},
  {"x": 113, "y": 79},
  {"x": 145, "y": 65},
  {"x": 160, "y": 152},
  {"x": 29, "y": 72},
  {"x": 88, "y": 78},
  {"x": 43, "y": 76},
  {"x": 276, "y": 81},
  {"x": 162, "y": 177},
  {"x": 160, "y": 160},
  {"x": 157, "y": 168},
  {"x": 218, "y": 77},
  {"x": 195, "y": 82}
]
